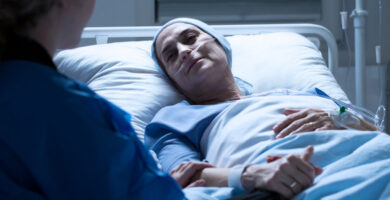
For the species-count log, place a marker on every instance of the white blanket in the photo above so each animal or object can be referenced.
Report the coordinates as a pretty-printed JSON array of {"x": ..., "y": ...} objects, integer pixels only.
[
  {"x": 356, "y": 163},
  {"x": 243, "y": 130}
]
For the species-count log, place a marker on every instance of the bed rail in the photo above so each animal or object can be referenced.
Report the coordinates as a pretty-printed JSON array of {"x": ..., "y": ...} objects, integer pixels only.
[{"x": 101, "y": 34}]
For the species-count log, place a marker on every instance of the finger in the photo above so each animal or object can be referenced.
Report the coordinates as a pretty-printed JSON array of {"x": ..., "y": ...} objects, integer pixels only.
[
  {"x": 181, "y": 166},
  {"x": 197, "y": 183},
  {"x": 189, "y": 169},
  {"x": 313, "y": 119},
  {"x": 289, "y": 111},
  {"x": 273, "y": 158},
  {"x": 306, "y": 168},
  {"x": 197, "y": 166},
  {"x": 303, "y": 178},
  {"x": 204, "y": 165},
  {"x": 291, "y": 127},
  {"x": 308, "y": 153},
  {"x": 311, "y": 126},
  {"x": 289, "y": 119},
  {"x": 288, "y": 182},
  {"x": 284, "y": 191},
  {"x": 172, "y": 171},
  {"x": 302, "y": 165},
  {"x": 192, "y": 168}
]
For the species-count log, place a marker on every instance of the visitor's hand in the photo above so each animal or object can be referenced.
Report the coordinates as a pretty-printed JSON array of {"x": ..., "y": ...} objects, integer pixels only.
[
  {"x": 299, "y": 121},
  {"x": 287, "y": 175},
  {"x": 185, "y": 172}
]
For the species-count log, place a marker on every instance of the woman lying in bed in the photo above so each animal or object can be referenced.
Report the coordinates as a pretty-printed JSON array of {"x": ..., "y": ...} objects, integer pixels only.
[{"x": 222, "y": 123}]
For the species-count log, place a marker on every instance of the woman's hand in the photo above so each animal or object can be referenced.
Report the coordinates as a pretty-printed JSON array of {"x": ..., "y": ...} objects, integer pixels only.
[
  {"x": 299, "y": 121},
  {"x": 185, "y": 172},
  {"x": 287, "y": 176}
]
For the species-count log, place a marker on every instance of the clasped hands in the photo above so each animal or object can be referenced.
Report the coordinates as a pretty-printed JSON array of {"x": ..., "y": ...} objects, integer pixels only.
[{"x": 287, "y": 176}]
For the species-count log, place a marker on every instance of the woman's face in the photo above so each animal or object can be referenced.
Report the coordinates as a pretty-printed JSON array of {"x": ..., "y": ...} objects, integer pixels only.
[{"x": 194, "y": 72}]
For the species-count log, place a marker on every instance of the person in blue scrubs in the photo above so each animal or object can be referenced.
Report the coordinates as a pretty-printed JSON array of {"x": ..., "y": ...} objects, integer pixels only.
[{"x": 59, "y": 139}]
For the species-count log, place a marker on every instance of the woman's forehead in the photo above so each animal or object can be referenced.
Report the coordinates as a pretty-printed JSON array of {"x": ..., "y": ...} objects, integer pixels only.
[{"x": 172, "y": 32}]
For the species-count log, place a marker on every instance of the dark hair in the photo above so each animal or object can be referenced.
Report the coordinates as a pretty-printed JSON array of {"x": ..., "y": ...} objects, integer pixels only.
[{"x": 20, "y": 16}]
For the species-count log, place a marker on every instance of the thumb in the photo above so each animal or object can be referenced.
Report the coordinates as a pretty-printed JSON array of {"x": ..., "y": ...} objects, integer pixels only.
[
  {"x": 197, "y": 183},
  {"x": 308, "y": 153}
]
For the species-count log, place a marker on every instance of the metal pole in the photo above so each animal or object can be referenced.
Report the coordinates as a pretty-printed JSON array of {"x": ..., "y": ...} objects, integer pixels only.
[{"x": 359, "y": 15}]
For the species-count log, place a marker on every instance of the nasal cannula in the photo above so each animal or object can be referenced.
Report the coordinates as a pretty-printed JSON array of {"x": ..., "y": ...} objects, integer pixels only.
[{"x": 193, "y": 52}]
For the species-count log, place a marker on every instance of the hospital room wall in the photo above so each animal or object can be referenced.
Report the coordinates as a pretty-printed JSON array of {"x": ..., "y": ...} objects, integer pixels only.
[{"x": 141, "y": 12}]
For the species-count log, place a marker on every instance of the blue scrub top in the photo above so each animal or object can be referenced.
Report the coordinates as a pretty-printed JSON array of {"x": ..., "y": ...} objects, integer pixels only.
[{"x": 60, "y": 140}]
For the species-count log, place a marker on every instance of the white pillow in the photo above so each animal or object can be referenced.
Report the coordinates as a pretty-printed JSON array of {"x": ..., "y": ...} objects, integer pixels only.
[
  {"x": 125, "y": 74},
  {"x": 282, "y": 60}
]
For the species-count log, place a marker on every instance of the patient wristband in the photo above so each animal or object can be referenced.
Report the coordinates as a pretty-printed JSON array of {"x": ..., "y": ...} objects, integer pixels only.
[{"x": 234, "y": 178}]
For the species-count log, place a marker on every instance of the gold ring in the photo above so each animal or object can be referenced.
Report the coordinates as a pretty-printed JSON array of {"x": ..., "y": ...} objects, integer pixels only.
[{"x": 293, "y": 184}]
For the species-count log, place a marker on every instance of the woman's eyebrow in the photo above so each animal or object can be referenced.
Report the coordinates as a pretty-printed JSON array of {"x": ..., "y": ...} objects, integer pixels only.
[{"x": 181, "y": 35}]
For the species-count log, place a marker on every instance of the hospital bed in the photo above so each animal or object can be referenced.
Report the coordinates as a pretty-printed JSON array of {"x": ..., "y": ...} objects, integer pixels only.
[
  {"x": 124, "y": 72},
  {"x": 267, "y": 56}
]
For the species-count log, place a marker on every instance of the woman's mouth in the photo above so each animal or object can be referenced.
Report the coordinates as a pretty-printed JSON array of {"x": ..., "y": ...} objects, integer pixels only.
[{"x": 192, "y": 63}]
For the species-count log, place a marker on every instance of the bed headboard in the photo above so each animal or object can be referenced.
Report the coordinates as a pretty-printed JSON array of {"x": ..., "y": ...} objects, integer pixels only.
[{"x": 102, "y": 34}]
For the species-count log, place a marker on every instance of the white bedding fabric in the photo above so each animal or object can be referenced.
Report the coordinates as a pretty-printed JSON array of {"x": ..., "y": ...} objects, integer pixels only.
[
  {"x": 243, "y": 130},
  {"x": 125, "y": 74},
  {"x": 356, "y": 163}
]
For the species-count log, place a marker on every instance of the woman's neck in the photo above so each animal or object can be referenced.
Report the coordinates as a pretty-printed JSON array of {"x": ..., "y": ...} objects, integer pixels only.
[{"x": 220, "y": 95}]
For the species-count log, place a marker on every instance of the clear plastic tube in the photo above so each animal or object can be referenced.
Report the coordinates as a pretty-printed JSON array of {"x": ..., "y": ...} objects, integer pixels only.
[
  {"x": 194, "y": 51},
  {"x": 377, "y": 119},
  {"x": 345, "y": 120}
]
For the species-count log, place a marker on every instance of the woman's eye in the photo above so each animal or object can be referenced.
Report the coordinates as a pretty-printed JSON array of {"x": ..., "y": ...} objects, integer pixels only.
[
  {"x": 190, "y": 38},
  {"x": 170, "y": 56}
]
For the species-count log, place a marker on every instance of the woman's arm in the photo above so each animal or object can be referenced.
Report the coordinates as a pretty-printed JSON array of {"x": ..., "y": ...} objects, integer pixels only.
[{"x": 173, "y": 149}]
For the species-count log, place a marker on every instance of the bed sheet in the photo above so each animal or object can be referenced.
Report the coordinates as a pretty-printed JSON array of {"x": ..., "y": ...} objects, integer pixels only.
[{"x": 356, "y": 165}]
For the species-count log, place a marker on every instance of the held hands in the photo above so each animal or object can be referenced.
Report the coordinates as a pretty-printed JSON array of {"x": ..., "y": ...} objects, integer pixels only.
[
  {"x": 186, "y": 171},
  {"x": 287, "y": 176},
  {"x": 299, "y": 121}
]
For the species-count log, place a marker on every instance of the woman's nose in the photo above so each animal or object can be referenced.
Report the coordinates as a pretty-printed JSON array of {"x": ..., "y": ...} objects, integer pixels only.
[{"x": 184, "y": 51}]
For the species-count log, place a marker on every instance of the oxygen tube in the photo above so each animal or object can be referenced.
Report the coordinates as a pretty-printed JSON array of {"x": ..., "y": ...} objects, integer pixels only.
[
  {"x": 193, "y": 52},
  {"x": 350, "y": 116}
]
